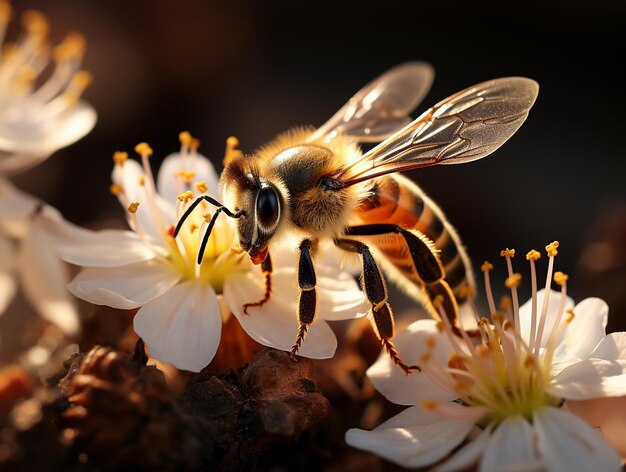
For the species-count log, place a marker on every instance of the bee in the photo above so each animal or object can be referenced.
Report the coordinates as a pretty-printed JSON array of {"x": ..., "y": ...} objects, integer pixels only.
[{"x": 317, "y": 184}]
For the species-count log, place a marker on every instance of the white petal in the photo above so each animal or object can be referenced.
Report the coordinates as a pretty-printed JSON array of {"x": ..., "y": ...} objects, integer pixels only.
[
  {"x": 404, "y": 389},
  {"x": 7, "y": 290},
  {"x": 591, "y": 378},
  {"x": 14, "y": 163},
  {"x": 153, "y": 222},
  {"x": 15, "y": 209},
  {"x": 413, "y": 438},
  {"x": 124, "y": 287},
  {"x": 7, "y": 279},
  {"x": 568, "y": 443},
  {"x": 510, "y": 447},
  {"x": 107, "y": 248},
  {"x": 183, "y": 326},
  {"x": 170, "y": 182},
  {"x": 44, "y": 276},
  {"x": 467, "y": 455},
  {"x": 45, "y": 137},
  {"x": 611, "y": 347},
  {"x": 275, "y": 324},
  {"x": 525, "y": 314},
  {"x": 585, "y": 331}
]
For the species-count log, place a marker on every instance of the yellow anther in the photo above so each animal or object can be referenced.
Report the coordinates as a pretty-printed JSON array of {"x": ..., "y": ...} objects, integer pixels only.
[
  {"x": 143, "y": 149},
  {"x": 186, "y": 176},
  {"x": 529, "y": 362},
  {"x": 507, "y": 252},
  {"x": 425, "y": 358},
  {"x": 455, "y": 360},
  {"x": 431, "y": 342},
  {"x": 551, "y": 248},
  {"x": 505, "y": 302},
  {"x": 533, "y": 255},
  {"x": 141, "y": 180},
  {"x": 193, "y": 227},
  {"x": 570, "y": 315},
  {"x": 560, "y": 278},
  {"x": 186, "y": 196},
  {"x": 440, "y": 326},
  {"x": 35, "y": 23},
  {"x": 132, "y": 208},
  {"x": 429, "y": 405},
  {"x": 231, "y": 150},
  {"x": 6, "y": 11},
  {"x": 194, "y": 144},
  {"x": 185, "y": 137},
  {"x": 119, "y": 157},
  {"x": 116, "y": 189},
  {"x": 72, "y": 46},
  {"x": 437, "y": 301},
  {"x": 483, "y": 350},
  {"x": 207, "y": 217},
  {"x": 513, "y": 281},
  {"x": 202, "y": 186},
  {"x": 486, "y": 266},
  {"x": 232, "y": 142},
  {"x": 467, "y": 291},
  {"x": 82, "y": 79},
  {"x": 497, "y": 317},
  {"x": 25, "y": 78}
]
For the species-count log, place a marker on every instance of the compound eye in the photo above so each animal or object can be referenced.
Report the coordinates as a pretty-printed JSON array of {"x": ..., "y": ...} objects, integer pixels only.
[{"x": 267, "y": 207}]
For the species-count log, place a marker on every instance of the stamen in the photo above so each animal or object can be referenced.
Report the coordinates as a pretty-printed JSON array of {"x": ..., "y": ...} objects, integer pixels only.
[
  {"x": 570, "y": 315},
  {"x": 486, "y": 267},
  {"x": 202, "y": 187},
  {"x": 560, "y": 278},
  {"x": 35, "y": 23},
  {"x": 551, "y": 249},
  {"x": 120, "y": 157},
  {"x": 145, "y": 151},
  {"x": 557, "y": 328},
  {"x": 231, "y": 152},
  {"x": 116, "y": 189},
  {"x": 533, "y": 256},
  {"x": 185, "y": 197},
  {"x": 132, "y": 208}
]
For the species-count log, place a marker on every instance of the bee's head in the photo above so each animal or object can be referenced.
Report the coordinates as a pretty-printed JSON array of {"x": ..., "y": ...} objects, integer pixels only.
[{"x": 263, "y": 206}]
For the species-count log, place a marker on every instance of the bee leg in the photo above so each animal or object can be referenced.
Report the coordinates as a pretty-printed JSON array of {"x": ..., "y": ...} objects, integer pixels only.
[
  {"x": 426, "y": 262},
  {"x": 381, "y": 316},
  {"x": 266, "y": 268},
  {"x": 307, "y": 300}
]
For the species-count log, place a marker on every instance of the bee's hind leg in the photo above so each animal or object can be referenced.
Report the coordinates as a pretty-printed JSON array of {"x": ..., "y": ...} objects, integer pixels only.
[
  {"x": 307, "y": 300},
  {"x": 266, "y": 268},
  {"x": 426, "y": 262},
  {"x": 381, "y": 316}
]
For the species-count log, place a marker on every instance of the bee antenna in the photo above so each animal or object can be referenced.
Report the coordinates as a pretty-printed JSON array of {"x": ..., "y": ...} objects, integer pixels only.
[
  {"x": 213, "y": 202},
  {"x": 207, "y": 234}
]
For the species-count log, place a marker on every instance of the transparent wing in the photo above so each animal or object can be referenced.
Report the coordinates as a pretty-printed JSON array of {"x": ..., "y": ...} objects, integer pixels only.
[
  {"x": 382, "y": 107},
  {"x": 467, "y": 126}
]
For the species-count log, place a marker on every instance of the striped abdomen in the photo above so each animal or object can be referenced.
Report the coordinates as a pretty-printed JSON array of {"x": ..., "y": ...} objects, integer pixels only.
[{"x": 397, "y": 200}]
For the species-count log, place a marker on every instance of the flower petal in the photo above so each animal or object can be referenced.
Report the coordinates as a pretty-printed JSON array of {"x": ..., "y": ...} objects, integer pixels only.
[
  {"x": 13, "y": 163},
  {"x": 7, "y": 290},
  {"x": 44, "y": 276},
  {"x": 583, "y": 334},
  {"x": 124, "y": 287},
  {"x": 591, "y": 378},
  {"x": 525, "y": 314},
  {"x": 15, "y": 209},
  {"x": 107, "y": 248},
  {"x": 566, "y": 442},
  {"x": 612, "y": 347},
  {"x": 183, "y": 326},
  {"x": 45, "y": 137},
  {"x": 411, "y": 343},
  {"x": 170, "y": 183},
  {"x": 275, "y": 324},
  {"x": 467, "y": 455},
  {"x": 510, "y": 447},
  {"x": 413, "y": 438}
]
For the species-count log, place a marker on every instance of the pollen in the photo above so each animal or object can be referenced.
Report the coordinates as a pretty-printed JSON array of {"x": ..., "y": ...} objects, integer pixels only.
[
  {"x": 513, "y": 281},
  {"x": 194, "y": 144},
  {"x": 82, "y": 79},
  {"x": 232, "y": 142},
  {"x": 570, "y": 316},
  {"x": 467, "y": 291},
  {"x": 186, "y": 176},
  {"x": 560, "y": 278},
  {"x": 141, "y": 180},
  {"x": 201, "y": 186},
  {"x": 440, "y": 326},
  {"x": 429, "y": 405},
  {"x": 193, "y": 227},
  {"x": 35, "y": 23},
  {"x": 132, "y": 208},
  {"x": 507, "y": 252},
  {"x": 505, "y": 302},
  {"x": 184, "y": 137},
  {"x": 119, "y": 157},
  {"x": 533, "y": 255},
  {"x": 551, "y": 248},
  {"x": 72, "y": 46},
  {"x": 425, "y": 358},
  {"x": 487, "y": 266},
  {"x": 143, "y": 149},
  {"x": 431, "y": 342},
  {"x": 186, "y": 196},
  {"x": 437, "y": 301},
  {"x": 116, "y": 189}
]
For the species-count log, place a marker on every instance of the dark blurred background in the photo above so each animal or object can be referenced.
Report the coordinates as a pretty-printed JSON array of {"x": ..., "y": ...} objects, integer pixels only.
[{"x": 254, "y": 69}]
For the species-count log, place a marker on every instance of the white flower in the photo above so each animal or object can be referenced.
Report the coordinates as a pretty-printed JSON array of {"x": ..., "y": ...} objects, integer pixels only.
[
  {"x": 501, "y": 390},
  {"x": 179, "y": 318},
  {"x": 39, "y": 115},
  {"x": 26, "y": 253}
]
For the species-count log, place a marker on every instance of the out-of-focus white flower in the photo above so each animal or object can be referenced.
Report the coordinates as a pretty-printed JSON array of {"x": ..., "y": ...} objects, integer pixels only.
[
  {"x": 40, "y": 89},
  {"x": 500, "y": 386},
  {"x": 25, "y": 252},
  {"x": 179, "y": 318}
]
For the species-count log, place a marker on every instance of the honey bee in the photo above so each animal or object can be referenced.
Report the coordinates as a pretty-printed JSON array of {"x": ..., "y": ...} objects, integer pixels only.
[{"x": 317, "y": 184}]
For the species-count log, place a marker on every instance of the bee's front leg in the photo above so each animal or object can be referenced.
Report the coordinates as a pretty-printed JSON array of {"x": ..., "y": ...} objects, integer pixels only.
[
  {"x": 381, "y": 316},
  {"x": 307, "y": 300},
  {"x": 266, "y": 268}
]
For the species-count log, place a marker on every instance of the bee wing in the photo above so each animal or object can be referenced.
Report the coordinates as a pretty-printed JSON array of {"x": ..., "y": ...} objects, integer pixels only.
[
  {"x": 382, "y": 107},
  {"x": 467, "y": 126}
]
